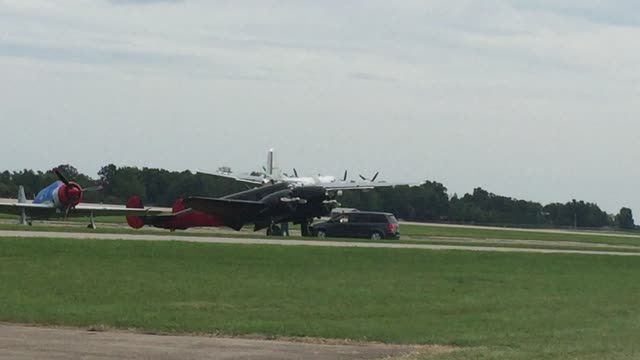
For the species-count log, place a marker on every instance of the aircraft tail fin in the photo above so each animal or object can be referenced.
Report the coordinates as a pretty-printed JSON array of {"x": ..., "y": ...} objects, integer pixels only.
[
  {"x": 135, "y": 222},
  {"x": 22, "y": 198},
  {"x": 270, "y": 162},
  {"x": 178, "y": 206},
  {"x": 273, "y": 172}
]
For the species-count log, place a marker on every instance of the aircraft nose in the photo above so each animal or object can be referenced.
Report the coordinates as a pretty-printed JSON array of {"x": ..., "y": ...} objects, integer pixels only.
[{"x": 74, "y": 195}]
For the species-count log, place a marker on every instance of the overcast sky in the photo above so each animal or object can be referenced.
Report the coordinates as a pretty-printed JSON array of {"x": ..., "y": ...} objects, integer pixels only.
[{"x": 530, "y": 99}]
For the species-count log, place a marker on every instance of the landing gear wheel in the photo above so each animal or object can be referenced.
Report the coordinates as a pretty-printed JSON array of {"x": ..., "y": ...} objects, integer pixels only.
[
  {"x": 304, "y": 228},
  {"x": 285, "y": 229}
]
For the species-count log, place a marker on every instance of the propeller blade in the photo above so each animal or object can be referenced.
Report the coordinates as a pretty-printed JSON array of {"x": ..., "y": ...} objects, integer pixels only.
[
  {"x": 345, "y": 176},
  {"x": 295, "y": 172},
  {"x": 363, "y": 178},
  {"x": 375, "y": 177},
  {"x": 60, "y": 176}
]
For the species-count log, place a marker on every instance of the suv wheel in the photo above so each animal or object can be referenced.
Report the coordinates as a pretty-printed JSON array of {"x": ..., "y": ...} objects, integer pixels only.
[
  {"x": 376, "y": 236},
  {"x": 321, "y": 234}
]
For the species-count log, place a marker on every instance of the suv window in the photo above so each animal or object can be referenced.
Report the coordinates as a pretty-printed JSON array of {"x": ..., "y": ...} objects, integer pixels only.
[
  {"x": 392, "y": 219},
  {"x": 368, "y": 218},
  {"x": 339, "y": 219},
  {"x": 379, "y": 218}
]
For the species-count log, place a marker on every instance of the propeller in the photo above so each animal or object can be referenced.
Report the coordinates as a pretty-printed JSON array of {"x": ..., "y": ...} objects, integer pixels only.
[
  {"x": 372, "y": 179},
  {"x": 295, "y": 172},
  {"x": 60, "y": 176},
  {"x": 72, "y": 194},
  {"x": 344, "y": 178},
  {"x": 94, "y": 188}
]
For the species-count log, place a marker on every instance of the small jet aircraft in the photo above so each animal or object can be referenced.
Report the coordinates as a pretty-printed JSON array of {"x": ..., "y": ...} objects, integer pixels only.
[
  {"x": 273, "y": 175},
  {"x": 62, "y": 199},
  {"x": 265, "y": 207}
]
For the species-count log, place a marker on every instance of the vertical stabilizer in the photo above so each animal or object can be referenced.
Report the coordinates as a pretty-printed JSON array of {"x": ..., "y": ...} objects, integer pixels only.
[
  {"x": 22, "y": 198},
  {"x": 273, "y": 173},
  {"x": 270, "y": 162}
]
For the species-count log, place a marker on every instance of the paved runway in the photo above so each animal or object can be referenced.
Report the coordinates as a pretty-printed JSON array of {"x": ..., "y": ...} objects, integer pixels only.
[
  {"x": 33, "y": 343},
  {"x": 287, "y": 242}
]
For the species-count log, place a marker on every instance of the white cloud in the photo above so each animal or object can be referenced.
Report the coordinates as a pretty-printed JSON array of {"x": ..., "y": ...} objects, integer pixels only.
[{"x": 527, "y": 99}]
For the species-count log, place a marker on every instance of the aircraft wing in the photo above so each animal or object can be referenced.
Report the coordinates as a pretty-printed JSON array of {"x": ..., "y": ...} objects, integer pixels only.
[
  {"x": 226, "y": 208},
  {"x": 364, "y": 185},
  {"x": 32, "y": 209},
  {"x": 99, "y": 210},
  {"x": 249, "y": 179},
  {"x": 234, "y": 213},
  {"x": 48, "y": 210}
]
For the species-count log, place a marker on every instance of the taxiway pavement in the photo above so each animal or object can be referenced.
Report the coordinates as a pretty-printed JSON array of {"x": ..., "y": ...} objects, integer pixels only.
[{"x": 19, "y": 342}]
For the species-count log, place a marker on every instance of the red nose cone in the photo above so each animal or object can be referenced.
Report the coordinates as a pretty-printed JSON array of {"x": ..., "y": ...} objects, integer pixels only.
[
  {"x": 74, "y": 195},
  {"x": 70, "y": 194}
]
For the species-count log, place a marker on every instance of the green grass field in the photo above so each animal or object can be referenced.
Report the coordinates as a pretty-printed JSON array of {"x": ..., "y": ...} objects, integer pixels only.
[
  {"x": 493, "y": 306},
  {"x": 462, "y": 232}
]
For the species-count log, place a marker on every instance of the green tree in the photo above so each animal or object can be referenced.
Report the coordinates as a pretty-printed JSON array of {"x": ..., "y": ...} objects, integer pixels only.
[{"x": 624, "y": 219}]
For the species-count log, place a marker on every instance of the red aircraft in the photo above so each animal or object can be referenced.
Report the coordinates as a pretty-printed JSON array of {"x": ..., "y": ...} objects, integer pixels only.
[{"x": 180, "y": 217}]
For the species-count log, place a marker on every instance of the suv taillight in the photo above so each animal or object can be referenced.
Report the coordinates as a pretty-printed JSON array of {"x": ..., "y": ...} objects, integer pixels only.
[{"x": 392, "y": 227}]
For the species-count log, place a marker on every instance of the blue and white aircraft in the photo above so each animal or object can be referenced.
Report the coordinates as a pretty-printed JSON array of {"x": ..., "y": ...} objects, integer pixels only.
[{"x": 62, "y": 199}]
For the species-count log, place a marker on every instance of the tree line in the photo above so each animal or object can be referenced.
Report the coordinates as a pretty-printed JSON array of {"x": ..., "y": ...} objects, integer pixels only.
[{"x": 428, "y": 202}]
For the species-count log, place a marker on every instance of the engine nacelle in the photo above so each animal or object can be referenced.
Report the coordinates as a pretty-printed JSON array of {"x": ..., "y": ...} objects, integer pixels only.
[{"x": 274, "y": 200}]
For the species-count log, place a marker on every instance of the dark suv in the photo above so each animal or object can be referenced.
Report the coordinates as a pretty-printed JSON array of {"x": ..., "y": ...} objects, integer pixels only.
[{"x": 360, "y": 224}]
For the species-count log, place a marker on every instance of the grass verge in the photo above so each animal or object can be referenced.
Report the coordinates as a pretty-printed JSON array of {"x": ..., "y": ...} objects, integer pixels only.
[
  {"x": 498, "y": 306},
  {"x": 461, "y": 232}
]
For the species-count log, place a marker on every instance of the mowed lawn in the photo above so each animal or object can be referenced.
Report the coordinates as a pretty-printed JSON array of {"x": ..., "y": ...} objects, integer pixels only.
[
  {"x": 421, "y": 231},
  {"x": 492, "y": 305}
]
